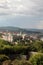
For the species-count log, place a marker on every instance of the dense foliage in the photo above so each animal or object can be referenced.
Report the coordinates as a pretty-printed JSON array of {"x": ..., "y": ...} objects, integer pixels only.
[
  {"x": 22, "y": 52},
  {"x": 37, "y": 59}
]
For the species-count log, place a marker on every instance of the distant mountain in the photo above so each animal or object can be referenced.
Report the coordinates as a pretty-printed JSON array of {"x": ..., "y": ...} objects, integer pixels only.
[
  {"x": 17, "y": 29},
  {"x": 12, "y": 29},
  {"x": 36, "y": 30}
]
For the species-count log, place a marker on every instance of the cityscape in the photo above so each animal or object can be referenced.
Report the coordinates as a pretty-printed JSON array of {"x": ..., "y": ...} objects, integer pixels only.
[
  {"x": 11, "y": 36},
  {"x": 21, "y": 32},
  {"x": 18, "y": 46}
]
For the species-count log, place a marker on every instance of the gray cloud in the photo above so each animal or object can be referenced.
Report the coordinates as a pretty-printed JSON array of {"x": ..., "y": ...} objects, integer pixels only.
[{"x": 22, "y": 7}]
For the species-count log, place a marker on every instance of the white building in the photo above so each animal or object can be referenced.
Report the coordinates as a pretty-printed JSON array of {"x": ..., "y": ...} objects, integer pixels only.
[
  {"x": 41, "y": 38},
  {"x": 8, "y": 37}
]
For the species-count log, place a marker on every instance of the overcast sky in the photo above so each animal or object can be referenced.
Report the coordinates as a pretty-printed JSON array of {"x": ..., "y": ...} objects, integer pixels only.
[{"x": 21, "y": 13}]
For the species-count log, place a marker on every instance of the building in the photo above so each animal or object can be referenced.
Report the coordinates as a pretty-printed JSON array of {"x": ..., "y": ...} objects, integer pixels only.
[{"x": 8, "y": 37}]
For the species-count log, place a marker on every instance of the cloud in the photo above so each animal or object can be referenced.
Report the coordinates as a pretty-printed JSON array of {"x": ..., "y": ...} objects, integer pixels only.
[
  {"x": 36, "y": 24},
  {"x": 39, "y": 25},
  {"x": 22, "y": 7}
]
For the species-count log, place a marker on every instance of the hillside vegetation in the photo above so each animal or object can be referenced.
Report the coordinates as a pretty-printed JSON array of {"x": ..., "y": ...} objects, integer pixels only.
[{"x": 21, "y": 54}]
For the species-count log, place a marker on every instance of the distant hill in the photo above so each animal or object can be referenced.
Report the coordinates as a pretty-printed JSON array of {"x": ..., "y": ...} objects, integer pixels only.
[
  {"x": 12, "y": 29},
  {"x": 17, "y": 29}
]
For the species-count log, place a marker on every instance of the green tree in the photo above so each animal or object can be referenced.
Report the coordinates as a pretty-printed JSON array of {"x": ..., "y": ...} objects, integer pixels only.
[{"x": 36, "y": 59}]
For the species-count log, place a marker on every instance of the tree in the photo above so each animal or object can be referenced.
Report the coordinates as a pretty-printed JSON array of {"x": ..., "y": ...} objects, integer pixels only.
[
  {"x": 36, "y": 59},
  {"x": 38, "y": 45}
]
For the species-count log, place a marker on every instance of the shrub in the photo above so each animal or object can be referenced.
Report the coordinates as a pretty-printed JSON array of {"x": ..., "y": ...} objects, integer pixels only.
[
  {"x": 36, "y": 59},
  {"x": 20, "y": 62},
  {"x": 7, "y": 62},
  {"x": 3, "y": 58}
]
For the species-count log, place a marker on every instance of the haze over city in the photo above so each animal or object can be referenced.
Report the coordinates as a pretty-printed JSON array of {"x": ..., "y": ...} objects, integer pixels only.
[{"x": 21, "y": 13}]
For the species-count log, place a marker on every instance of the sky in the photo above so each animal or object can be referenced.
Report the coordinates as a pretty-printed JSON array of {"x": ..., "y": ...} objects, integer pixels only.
[{"x": 21, "y": 13}]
